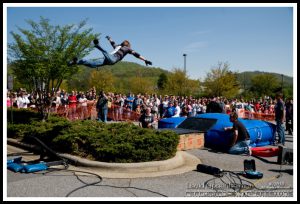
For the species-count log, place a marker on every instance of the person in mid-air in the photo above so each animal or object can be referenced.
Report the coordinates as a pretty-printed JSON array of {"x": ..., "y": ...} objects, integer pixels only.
[{"x": 120, "y": 51}]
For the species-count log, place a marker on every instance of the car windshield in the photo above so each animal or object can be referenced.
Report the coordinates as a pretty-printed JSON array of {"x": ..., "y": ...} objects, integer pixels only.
[{"x": 200, "y": 124}]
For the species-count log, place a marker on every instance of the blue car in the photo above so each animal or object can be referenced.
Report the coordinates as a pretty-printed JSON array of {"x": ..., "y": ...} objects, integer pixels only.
[{"x": 261, "y": 133}]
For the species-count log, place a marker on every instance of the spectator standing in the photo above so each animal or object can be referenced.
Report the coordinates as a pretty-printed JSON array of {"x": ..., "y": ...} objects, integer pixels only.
[
  {"x": 84, "y": 110},
  {"x": 22, "y": 100},
  {"x": 102, "y": 107},
  {"x": 8, "y": 100},
  {"x": 170, "y": 111},
  {"x": 279, "y": 118},
  {"x": 72, "y": 100},
  {"x": 129, "y": 101},
  {"x": 177, "y": 110},
  {"x": 289, "y": 116},
  {"x": 147, "y": 119}
]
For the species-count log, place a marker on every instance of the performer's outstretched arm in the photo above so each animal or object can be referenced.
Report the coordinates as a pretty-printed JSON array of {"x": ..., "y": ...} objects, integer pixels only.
[
  {"x": 113, "y": 44},
  {"x": 137, "y": 55}
]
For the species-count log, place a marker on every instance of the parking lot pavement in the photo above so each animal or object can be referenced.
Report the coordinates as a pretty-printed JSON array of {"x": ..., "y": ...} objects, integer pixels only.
[{"x": 277, "y": 182}]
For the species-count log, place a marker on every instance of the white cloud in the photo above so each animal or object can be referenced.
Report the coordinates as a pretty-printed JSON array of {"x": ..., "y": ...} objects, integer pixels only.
[
  {"x": 195, "y": 46},
  {"x": 201, "y": 32}
]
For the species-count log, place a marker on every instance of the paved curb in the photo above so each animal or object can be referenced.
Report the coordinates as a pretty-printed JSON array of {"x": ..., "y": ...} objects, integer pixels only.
[{"x": 181, "y": 163}]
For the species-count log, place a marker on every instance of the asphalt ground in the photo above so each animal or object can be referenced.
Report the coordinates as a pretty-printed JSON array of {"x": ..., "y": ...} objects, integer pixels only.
[{"x": 75, "y": 183}]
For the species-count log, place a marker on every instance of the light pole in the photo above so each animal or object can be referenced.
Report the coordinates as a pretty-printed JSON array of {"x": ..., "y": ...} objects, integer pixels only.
[
  {"x": 282, "y": 84},
  {"x": 184, "y": 55}
]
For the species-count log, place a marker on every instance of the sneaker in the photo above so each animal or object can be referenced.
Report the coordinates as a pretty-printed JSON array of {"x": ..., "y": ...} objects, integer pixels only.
[
  {"x": 73, "y": 62},
  {"x": 96, "y": 42},
  {"x": 249, "y": 151}
]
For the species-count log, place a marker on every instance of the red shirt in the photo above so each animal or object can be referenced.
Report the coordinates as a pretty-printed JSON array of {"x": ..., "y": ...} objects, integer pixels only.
[
  {"x": 72, "y": 101},
  {"x": 257, "y": 106}
]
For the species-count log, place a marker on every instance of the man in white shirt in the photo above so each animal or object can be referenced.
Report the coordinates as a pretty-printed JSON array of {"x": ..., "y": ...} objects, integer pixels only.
[
  {"x": 177, "y": 110},
  {"x": 22, "y": 100}
]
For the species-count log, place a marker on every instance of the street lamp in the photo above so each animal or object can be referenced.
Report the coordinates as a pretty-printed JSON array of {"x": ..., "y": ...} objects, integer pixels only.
[
  {"x": 281, "y": 83},
  {"x": 184, "y": 55}
]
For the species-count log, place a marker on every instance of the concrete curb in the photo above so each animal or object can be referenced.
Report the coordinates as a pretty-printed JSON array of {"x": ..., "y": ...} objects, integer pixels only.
[
  {"x": 172, "y": 163},
  {"x": 181, "y": 163}
]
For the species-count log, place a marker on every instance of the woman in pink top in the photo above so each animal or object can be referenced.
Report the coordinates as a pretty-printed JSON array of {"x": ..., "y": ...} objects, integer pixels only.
[{"x": 8, "y": 101}]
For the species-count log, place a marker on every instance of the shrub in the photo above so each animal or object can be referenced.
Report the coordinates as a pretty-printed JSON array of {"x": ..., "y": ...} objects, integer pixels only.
[
  {"x": 115, "y": 142},
  {"x": 18, "y": 130},
  {"x": 22, "y": 116}
]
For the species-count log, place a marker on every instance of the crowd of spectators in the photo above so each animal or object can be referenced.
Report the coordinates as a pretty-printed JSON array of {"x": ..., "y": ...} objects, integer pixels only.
[{"x": 120, "y": 105}]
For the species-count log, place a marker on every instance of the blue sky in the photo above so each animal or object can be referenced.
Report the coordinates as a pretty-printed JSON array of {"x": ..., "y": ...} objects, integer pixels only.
[{"x": 248, "y": 38}]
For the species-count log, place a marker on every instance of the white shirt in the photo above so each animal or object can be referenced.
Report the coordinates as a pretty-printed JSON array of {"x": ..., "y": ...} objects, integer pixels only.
[
  {"x": 22, "y": 102},
  {"x": 177, "y": 112},
  {"x": 58, "y": 100},
  {"x": 83, "y": 101}
]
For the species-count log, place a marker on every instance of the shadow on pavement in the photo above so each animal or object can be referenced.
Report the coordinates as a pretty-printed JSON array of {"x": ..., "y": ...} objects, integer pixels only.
[
  {"x": 216, "y": 151},
  {"x": 288, "y": 171},
  {"x": 265, "y": 160}
]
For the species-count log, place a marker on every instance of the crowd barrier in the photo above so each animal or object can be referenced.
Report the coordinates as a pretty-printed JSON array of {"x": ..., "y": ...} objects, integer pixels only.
[
  {"x": 78, "y": 112},
  {"x": 258, "y": 116},
  {"x": 118, "y": 113}
]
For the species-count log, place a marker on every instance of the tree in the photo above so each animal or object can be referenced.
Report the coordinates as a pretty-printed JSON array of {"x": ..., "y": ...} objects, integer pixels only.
[
  {"x": 162, "y": 81},
  {"x": 179, "y": 84},
  {"x": 40, "y": 54},
  {"x": 264, "y": 84},
  {"x": 220, "y": 81},
  {"x": 102, "y": 79},
  {"x": 140, "y": 85},
  {"x": 80, "y": 80}
]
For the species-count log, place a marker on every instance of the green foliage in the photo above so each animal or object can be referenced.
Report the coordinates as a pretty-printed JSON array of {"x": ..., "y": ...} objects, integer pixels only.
[
  {"x": 245, "y": 78},
  {"x": 288, "y": 92},
  {"x": 115, "y": 142},
  {"x": 122, "y": 77},
  {"x": 179, "y": 84},
  {"x": 22, "y": 116},
  {"x": 221, "y": 82},
  {"x": 40, "y": 54},
  {"x": 264, "y": 84},
  {"x": 102, "y": 79},
  {"x": 271, "y": 81},
  {"x": 18, "y": 130},
  {"x": 135, "y": 78},
  {"x": 141, "y": 85},
  {"x": 119, "y": 142},
  {"x": 162, "y": 81},
  {"x": 78, "y": 81}
]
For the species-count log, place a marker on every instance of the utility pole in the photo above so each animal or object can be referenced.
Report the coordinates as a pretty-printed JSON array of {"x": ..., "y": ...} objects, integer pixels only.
[
  {"x": 282, "y": 83},
  {"x": 184, "y": 55},
  {"x": 244, "y": 82}
]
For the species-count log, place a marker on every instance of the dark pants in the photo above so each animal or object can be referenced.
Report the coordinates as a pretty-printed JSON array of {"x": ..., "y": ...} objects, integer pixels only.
[
  {"x": 106, "y": 60},
  {"x": 102, "y": 115},
  {"x": 289, "y": 125},
  {"x": 280, "y": 131}
]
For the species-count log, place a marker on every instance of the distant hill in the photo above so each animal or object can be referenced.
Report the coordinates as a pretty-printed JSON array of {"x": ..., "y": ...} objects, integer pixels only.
[
  {"x": 130, "y": 69},
  {"x": 245, "y": 77},
  {"x": 125, "y": 70}
]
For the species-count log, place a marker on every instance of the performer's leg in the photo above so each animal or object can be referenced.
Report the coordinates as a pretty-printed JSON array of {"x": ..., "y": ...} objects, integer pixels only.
[
  {"x": 110, "y": 58},
  {"x": 92, "y": 63}
]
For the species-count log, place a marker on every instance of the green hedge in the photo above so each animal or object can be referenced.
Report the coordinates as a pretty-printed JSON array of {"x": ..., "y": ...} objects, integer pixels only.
[
  {"x": 114, "y": 142},
  {"x": 22, "y": 116}
]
